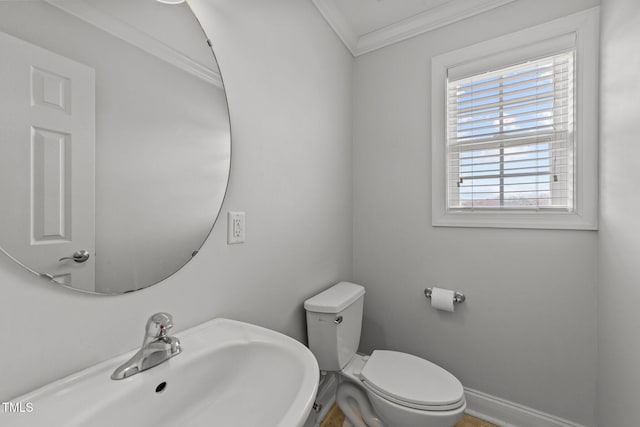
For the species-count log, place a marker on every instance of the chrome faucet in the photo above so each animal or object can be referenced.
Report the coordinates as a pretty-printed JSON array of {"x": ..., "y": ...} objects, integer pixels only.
[{"x": 157, "y": 347}]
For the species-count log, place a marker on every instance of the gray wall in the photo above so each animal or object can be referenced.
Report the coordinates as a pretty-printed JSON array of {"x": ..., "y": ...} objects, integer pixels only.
[
  {"x": 619, "y": 272},
  {"x": 527, "y": 332},
  {"x": 291, "y": 170}
]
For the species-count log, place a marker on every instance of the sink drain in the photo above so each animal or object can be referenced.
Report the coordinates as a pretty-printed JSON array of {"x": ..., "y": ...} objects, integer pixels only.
[{"x": 160, "y": 388}]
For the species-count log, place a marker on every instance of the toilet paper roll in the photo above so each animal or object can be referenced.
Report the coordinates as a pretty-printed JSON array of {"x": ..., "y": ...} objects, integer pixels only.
[{"x": 442, "y": 299}]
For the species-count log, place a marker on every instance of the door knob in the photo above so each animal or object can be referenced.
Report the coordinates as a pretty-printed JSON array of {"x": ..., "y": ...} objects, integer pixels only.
[{"x": 78, "y": 256}]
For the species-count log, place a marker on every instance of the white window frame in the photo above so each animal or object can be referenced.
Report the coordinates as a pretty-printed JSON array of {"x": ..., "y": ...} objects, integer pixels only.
[{"x": 531, "y": 43}]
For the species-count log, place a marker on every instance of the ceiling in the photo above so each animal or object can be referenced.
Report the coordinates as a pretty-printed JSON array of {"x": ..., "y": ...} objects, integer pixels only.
[{"x": 367, "y": 25}]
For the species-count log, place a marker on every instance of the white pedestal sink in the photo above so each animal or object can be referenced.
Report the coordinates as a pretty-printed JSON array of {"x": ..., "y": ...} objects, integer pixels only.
[{"x": 230, "y": 374}]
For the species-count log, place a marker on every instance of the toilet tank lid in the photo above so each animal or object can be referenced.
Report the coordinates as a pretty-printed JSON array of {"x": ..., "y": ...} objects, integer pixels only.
[{"x": 335, "y": 299}]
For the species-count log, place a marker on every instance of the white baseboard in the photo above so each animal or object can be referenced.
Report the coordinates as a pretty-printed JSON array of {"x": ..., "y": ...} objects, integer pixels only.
[{"x": 508, "y": 414}]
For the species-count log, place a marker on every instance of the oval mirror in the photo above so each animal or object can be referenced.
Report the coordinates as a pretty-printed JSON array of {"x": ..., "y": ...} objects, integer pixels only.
[{"x": 114, "y": 140}]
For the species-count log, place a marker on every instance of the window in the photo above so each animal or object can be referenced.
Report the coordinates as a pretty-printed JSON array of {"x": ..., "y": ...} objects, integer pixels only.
[
  {"x": 510, "y": 137},
  {"x": 514, "y": 129}
]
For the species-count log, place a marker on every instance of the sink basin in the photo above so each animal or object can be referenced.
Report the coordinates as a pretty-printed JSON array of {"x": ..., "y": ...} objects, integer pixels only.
[{"x": 230, "y": 374}]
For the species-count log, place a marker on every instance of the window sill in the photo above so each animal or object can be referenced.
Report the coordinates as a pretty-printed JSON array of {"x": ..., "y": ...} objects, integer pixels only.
[{"x": 514, "y": 219}]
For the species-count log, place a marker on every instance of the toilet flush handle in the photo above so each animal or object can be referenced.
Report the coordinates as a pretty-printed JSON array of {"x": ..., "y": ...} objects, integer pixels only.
[{"x": 338, "y": 320}]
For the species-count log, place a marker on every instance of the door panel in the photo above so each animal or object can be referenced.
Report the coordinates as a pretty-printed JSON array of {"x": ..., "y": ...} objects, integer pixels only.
[{"x": 47, "y": 159}]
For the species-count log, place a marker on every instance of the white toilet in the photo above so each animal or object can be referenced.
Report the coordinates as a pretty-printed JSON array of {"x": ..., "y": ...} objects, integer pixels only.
[{"x": 386, "y": 389}]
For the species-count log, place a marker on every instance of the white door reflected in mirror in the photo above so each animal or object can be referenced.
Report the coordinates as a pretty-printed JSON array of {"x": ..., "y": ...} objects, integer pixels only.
[{"x": 48, "y": 127}]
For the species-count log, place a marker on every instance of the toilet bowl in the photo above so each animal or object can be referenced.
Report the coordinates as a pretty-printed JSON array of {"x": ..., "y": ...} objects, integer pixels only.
[
  {"x": 404, "y": 390},
  {"x": 388, "y": 388}
]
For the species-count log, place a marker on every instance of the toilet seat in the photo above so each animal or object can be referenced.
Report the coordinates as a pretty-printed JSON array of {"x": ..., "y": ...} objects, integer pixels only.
[{"x": 411, "y": 381}]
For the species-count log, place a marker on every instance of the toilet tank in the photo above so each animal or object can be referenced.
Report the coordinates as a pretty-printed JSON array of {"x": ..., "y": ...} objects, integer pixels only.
[{"x": 334, "y": 320}]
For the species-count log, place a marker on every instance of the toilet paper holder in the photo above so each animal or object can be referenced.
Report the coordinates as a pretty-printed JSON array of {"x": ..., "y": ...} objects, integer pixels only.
[{"x": 458, "y": 297}]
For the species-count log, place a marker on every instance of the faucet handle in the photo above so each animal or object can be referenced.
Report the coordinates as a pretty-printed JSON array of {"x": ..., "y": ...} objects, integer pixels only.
[{"x": 158, "y": 325}]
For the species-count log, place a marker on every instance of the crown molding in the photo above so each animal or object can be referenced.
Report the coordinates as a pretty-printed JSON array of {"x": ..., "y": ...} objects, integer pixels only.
[
  {"x": 338, "y": 22},
  {"x": 135, "y": 37},
  {"x": 445, "y": 14}
]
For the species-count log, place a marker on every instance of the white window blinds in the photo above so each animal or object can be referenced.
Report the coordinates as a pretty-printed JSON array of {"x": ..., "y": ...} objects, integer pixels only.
[{"x": 510, "y": 137}]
